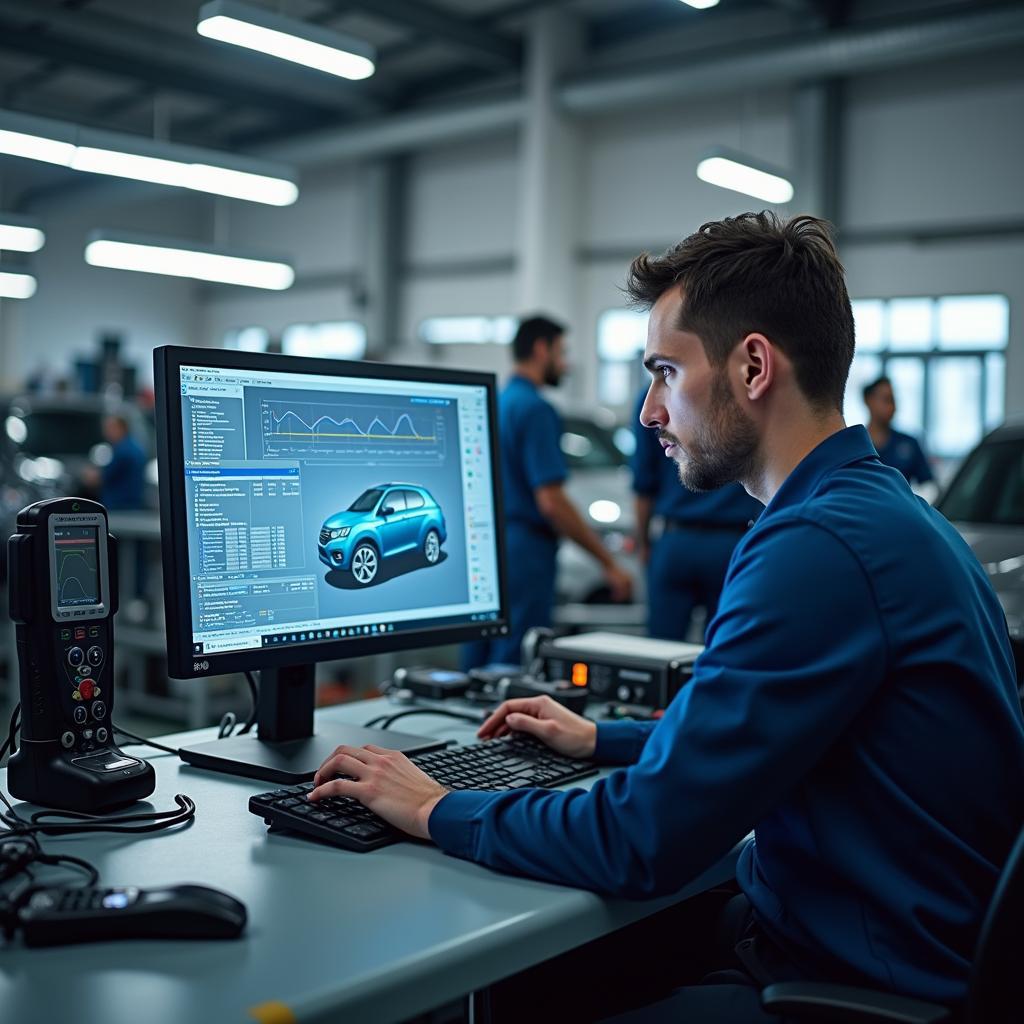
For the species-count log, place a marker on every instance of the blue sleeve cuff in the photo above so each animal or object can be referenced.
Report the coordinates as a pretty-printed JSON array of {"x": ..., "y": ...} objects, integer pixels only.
[
  {"x": 453, "y": 824},
  {"x": 621, "y": 742}
]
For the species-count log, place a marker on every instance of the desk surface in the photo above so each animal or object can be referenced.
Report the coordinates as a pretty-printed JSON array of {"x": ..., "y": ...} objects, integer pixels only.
[{"x": 376, "y": 936}]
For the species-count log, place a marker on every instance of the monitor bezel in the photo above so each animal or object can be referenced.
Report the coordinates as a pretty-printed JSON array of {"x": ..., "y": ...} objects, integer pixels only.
[{"x": 182, "y": 663}]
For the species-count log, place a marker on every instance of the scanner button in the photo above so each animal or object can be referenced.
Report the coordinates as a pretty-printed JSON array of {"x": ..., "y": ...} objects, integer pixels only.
[
  {"x": 85, "y": 688},
  {"x": 87, "y": 734},
  {"x": 85, "y": 670},
  {"x": 76, "y": 656},
  {"x": 99, "y": 709},
  {"x": 94, "y": 655},
  {"x": 67, "y": 740},
  {"x": 65, "y": 634},
  {"x": 101, "y": 735},
  {"x": 94, "y": 631},
  {"x": 624, "y": 693},
  {"x": 80, "y": 632},
  {"x": 81, "y": 714}
]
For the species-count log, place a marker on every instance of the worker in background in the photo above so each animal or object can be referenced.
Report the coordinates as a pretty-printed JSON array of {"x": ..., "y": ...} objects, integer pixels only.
[
  {"x": 901, "y": 451},
  {"x": 684, "y": 538},
  {"x": 122, "y": 481},
  {"x": 537, "y": 510}
]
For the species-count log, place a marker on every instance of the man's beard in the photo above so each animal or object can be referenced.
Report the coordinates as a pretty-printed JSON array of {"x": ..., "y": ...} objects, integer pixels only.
[{"x": 724, "y": 448}]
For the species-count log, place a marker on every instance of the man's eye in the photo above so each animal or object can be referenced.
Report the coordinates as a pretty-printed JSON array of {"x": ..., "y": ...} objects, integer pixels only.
[{"x": 665, "y": 371}]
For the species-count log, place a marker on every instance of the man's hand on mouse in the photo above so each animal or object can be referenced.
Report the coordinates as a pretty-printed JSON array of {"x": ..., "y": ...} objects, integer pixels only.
[
  {"x": 386, "y": 781},
  {"x": 547, "y": 720}
]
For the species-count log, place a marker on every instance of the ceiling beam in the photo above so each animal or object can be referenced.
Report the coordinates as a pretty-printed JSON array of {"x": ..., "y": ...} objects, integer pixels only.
[
  {"x": 167, "y": 60},
  {"x": 482, "y": 46}
]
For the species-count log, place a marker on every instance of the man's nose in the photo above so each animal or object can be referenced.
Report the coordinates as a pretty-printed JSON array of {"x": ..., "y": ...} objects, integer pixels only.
[{"x": 651, "y": 412}]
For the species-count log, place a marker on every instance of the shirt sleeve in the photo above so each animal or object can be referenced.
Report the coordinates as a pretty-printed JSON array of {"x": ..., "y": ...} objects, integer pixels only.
[
  {"x": 541, "y": 441},
  {"x": 795, "y": 652}
]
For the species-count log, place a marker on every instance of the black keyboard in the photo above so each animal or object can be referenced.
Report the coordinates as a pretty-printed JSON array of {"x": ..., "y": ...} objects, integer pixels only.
[{"x": 512, "y": 762}]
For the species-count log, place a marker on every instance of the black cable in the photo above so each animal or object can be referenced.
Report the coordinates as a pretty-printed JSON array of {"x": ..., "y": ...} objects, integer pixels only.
[
  {"x": 11, "y": 744},
  {"x": 254, "y": 693},
  {"x": 144, "y": 741},
  {"x": 227, "y": 723},
  {"x": 384, "y": 721},
  {"x": 87, "y": 823}
]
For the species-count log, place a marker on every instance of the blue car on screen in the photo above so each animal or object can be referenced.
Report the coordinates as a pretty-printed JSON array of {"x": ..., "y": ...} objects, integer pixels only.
[{"x": 385, "y": 520}]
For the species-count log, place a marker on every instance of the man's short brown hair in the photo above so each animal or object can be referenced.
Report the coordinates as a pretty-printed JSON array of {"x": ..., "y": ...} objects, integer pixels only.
[{"x": 758, "y": 273}]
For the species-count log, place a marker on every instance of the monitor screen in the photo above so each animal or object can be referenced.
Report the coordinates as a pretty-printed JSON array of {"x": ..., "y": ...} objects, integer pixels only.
[{"x": 330, "y": 503}]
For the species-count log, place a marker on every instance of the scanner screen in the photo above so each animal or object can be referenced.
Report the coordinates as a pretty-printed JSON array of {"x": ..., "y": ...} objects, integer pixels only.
[{"x": 75, "y": 557}]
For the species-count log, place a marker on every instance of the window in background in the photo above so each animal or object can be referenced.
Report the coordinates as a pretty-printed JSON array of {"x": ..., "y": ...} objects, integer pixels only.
[
  {"x": 945, "y": 357},
  {"x": 468, "y": 330},
  {"x": 621, "y": 337},
  {"x": 247, "y": 339},
  {"x": 341, "y": 339}
]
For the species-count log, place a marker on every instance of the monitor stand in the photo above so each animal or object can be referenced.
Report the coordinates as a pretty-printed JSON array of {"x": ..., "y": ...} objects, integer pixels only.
[{"x": 286, "y": 749}]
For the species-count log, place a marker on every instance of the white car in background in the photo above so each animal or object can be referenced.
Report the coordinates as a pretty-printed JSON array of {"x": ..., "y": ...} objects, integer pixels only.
[
  {"x": 985, "y": 502},
  {"x": 596, "y": 449}
]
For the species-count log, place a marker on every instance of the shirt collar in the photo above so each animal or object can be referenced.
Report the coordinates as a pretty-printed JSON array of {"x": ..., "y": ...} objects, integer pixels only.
[{"x": 839, "y": 449}]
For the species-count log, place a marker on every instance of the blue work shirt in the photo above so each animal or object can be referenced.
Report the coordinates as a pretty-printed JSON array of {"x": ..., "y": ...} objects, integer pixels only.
[
  {"x": 903, "y": 452},
  {"x": 657, "y": 477},
  {"x": 531, "y": 451},
  {"x": 123, "y": 480},
  {"x": 856, "y": 705}
]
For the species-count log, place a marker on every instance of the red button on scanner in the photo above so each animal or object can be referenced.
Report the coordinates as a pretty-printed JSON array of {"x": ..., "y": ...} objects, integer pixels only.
[
  {"x": 85, "y": 688},
  {"x": 80, "y": 633}
]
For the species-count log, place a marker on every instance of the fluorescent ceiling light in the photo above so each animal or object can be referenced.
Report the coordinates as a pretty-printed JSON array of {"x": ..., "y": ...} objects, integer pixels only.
[
  {"x": 701, "y": 5},
  {"x": 18, "y": 234},
  {"x": 178, "y": 258},
  {"x": 17, "y": 286},
  {"x": 287, "y": 38},
  {"x": 129, "y": 156},
  {"x": 742, "y": 174}
]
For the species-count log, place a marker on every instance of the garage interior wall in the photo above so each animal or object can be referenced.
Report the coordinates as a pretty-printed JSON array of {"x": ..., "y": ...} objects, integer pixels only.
[{"x": 934, "y": 148}]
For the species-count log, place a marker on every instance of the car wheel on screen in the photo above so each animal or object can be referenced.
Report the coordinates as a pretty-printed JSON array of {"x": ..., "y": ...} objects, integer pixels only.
[
  {"x": 432, "y": 547},
  {"x": 365, "y": 564}
]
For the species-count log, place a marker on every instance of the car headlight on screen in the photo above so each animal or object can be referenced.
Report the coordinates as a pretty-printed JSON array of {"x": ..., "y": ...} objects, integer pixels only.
[{"x": 342, "y": 532}]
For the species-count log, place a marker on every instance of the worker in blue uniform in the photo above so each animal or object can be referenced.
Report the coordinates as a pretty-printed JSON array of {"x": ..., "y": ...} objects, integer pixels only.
[
  {"x": 684, "y": 539},
  {"x": 901, "y": 451},
  {"x": 856, "y": 704},
  {"x": 122, "y": 480},
  {"x": 537, "y": 509}
]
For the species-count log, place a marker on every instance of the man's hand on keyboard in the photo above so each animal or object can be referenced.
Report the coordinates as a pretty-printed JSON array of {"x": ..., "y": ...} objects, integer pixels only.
[
  {"x": 561, "y": 729},
  {"x": 385, "y": 781}
]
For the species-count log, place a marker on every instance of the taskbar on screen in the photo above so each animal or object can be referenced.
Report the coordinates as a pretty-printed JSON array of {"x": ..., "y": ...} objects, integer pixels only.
[{"x": 307, "y": 636}]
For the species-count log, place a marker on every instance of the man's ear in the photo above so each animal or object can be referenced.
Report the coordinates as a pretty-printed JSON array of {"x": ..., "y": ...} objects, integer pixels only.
[{"x": 758, "y": 365}]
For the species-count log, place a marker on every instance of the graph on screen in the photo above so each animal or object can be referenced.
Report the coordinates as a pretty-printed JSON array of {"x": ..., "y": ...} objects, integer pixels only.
[
  {"x": 77, "y": 571},
  {"x": 341, "y": 432}
]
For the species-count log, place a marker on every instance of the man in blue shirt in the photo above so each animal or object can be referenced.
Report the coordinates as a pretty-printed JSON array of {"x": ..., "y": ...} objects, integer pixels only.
[
  {"x": 537, "y": 509},
  {"x": 684, "y": 539},
  {"x": 901, "y": 451},
  {"x": 123, "y": 478},
  {"x": 856, "y": 704}
]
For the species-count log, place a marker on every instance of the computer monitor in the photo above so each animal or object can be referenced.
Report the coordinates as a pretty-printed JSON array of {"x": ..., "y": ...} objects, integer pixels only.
[{"x": 316, "y": 509}]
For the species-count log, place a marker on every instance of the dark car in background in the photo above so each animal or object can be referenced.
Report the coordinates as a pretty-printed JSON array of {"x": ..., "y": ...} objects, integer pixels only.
[
  {"x": 985, "y": 502},
  {"x": 55, "y": 438},
  {"x": 386, "y": 520}
]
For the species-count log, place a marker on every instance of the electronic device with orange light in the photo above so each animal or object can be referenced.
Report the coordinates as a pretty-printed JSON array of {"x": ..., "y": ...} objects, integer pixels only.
[{"x": 635, "y": 670}]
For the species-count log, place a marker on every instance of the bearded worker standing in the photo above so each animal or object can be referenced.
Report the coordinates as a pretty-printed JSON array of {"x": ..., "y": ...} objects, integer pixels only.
[{"x": 855, "y": 706}]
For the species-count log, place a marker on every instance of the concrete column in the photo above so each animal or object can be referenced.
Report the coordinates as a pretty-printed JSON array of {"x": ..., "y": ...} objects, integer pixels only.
[
  {"x": 549, "y": 166},
  {"x": 818, "y": 123},
  {"x": 383, "y": 233}
]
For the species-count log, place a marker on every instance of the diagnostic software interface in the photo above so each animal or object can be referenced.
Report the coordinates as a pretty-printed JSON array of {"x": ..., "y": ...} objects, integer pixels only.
[{"x": 321, "y": 508}]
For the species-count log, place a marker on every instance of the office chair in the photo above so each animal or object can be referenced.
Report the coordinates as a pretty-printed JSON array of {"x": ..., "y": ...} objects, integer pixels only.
[{"x": 994, "y": 995}]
